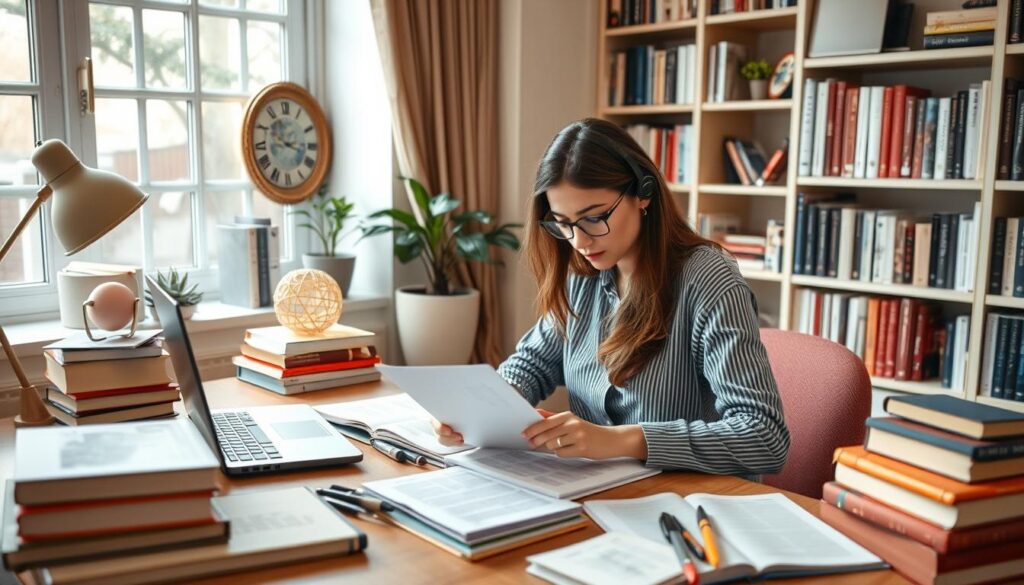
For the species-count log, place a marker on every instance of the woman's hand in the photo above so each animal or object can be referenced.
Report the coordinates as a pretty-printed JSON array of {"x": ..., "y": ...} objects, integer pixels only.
[
  {"x": 567, "y": 435},
  {"x": 445, "y": 434}
]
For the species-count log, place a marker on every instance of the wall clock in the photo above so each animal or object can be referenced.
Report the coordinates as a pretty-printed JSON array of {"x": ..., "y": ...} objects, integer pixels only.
[{"x": 286, "y": 143}]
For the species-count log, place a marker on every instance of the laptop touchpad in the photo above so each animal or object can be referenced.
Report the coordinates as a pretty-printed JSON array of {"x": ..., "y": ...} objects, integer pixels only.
[{"x": 300, "y": 429}]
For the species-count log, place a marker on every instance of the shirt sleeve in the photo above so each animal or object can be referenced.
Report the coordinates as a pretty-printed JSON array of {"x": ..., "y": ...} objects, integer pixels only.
[
  {"x": 751, "y": 436},
  {"x": 535, "y": 368}
]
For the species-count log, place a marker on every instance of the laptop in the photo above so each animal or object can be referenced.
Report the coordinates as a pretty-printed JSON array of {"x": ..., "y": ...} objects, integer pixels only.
[{"x": 257, "y": 439}]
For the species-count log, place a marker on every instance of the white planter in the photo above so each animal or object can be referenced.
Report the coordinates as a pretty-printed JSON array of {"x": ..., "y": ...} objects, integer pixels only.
[
  {"x": 758, "y": 89},
  {"x": 436, "y": 329}
]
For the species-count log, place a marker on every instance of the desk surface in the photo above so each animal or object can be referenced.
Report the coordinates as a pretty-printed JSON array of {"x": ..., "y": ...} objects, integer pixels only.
[{"x": 395, "y": 556}]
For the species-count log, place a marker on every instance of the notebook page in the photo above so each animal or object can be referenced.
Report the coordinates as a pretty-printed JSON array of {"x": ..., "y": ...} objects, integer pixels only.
[{"x": 610, "y": 559}]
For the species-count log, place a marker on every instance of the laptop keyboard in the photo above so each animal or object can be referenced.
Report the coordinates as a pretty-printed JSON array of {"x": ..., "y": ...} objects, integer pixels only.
[{"x": 241, "y": 439}]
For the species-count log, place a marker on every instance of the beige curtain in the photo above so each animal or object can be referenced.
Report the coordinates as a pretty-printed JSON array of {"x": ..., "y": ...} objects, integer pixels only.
[{"x": 440, "y": 60}]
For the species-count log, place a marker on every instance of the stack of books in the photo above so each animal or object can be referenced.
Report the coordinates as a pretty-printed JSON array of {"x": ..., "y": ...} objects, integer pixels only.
[
  {"x": 1002, "y": 372},
  {"x": 973, "y": 26},
  {"x": 83, "y": 493},
  {"x": 937, "y": 490},
  {"x": 751, "y": 251},
  {"x": 671, "y": 148},
  {"x": 283, "y": 361},
  {"x": 114, "y": 380},
  {"x": 637, "y": 12},
  {"x": 731, "y": 6},
  {"x": 647, "y": 75},
  {"x": 746, "y": 164}
]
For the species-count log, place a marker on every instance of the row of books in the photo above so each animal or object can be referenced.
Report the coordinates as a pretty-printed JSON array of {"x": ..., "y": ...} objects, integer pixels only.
[
  {"x": 891, "y": 132},
  {"x": 248, "y": 253},
  {"x": 724, "y": 80},
  {"x": 751, "y": 251},
  {"x": 937, "y": 490},
  {"x": 1002, "y": 372},
  {"x": 283, "y": 361},
  {"x": 670, "y": 147},
  {"x": 974, "y": 26},
  {"x": 1010, "y": 165},
  {"x": 636, "y": 12},
  {"x": 646, "y": 75},
  {"x": 731, "y": 6},
  {"x": 1006, "y": 263},
  {"x": 835, "y": 238},
  {"x": 898, "y": 338},
  {"x": 746, "y": 164},
  {"x": 115, "y": 380}
]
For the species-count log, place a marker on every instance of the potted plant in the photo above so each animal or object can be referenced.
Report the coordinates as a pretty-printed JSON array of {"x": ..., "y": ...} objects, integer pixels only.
[
  {"x": 441, "y": 239},
  {"x": 757, "y": 72},
  {"x": 326, "y": 221},
  {"x": 176, "y": 285}
]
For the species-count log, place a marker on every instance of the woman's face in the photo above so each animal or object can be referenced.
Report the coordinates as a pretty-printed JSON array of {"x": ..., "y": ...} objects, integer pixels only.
[{"x": 569, "y": 203}]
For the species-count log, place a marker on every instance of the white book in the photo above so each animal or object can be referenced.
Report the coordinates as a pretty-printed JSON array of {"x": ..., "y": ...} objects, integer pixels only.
[
  {"x": 972, "y": 130},
  {"x": 882, "y": 241},
  {"x": 818, "y": 161},
  {"x": 681, "y": 74},
  {"x": 1009, "y": 255},
  {"x": 721, "y": 70},
  {"x": 691, "y": 79},
  {"x": 874, "y": 140},
  {"x": 867, "y": 251},
  {"x": 744, "y": 553},
  {"x": 283, "y": 341},
  {"x": 983, "y": 114},
  {"x": 847, "y": 226},
  {"x": 988, "y": 361},
  {"x": 889, "y": 249},
  {"x": 960, "y": 254},
  {"x": 852, "y": 315},
  {"x": 962, "y": 332},
  {"x": 860, "y": 153},
  {"x": 803, "y": 304},
  {"x": 238, "y": 258},
  {"x": 942, "y": 138},
  {"x": 615, "y": 558},
  {"x": 807, "y": 119},
  {"x": 860, "y": 343}
]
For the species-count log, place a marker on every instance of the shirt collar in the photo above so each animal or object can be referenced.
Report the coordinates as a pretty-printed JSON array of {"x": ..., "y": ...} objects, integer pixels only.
[{"x": 608, "y": 283}]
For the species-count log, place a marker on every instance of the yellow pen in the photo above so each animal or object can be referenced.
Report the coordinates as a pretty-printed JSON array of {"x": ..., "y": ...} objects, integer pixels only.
[{"x": 710, "y": 548}]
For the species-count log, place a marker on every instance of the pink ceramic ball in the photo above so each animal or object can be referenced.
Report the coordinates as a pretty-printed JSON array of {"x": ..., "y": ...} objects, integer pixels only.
[{"x": 113, "y": 305}]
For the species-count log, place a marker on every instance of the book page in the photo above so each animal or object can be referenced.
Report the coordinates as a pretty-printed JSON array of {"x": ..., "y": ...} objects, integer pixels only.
[
  {"x": 374, "y": 412},
  {"x": 419, "y": 434},
  {"x": 609, "y": 559}
]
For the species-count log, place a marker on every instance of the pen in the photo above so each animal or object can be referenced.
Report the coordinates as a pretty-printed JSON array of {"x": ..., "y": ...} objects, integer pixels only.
[
  {"x": 709, "y": 536},
  {"x": 345, "y": 507},
  {"x": 368, "y": 502},
  {"x": 673, "y": 531},
  {"x": 397, "y": 453}
]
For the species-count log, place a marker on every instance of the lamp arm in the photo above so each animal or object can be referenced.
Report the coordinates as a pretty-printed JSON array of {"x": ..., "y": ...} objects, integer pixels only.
[{"x": 41, "y": 196}]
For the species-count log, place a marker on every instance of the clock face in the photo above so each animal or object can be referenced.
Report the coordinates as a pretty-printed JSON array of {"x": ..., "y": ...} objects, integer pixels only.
[{"x": 285, "y": 143}]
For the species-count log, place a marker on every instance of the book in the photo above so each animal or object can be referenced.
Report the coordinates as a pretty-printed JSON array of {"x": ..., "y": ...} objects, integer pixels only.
[
  {"x": 309, "y": 359},
  {"x": 960, "y": 16},
  {"x": 966, "y": 39},
  {"x": 141, "y": 412},
  {"x": 87, "y": 377},
  {"x": 89, "y": 403},
  {"x": 615, "y": 558},
  {"x": 266, "y": 382},
  {"x": 397, "y": 419},
  {"x": 744, "y": 553},
  {"x": 79, "y": 348},
  {"x": 281, "y": 526},
  {"x": 66, "y": 464},
  {"x": 308, "y": 373},
  {"x": 238, "y": 259},
  {"x": 957, "y": 415},
  {"x": 961, "y": 458},
  {"x": 284, "y": 341}
]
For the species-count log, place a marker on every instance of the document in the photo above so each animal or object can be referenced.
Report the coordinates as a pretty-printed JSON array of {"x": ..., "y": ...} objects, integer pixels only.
[
  {"x": 474, "y": 400},
  {"x": 616, "y": 558}
]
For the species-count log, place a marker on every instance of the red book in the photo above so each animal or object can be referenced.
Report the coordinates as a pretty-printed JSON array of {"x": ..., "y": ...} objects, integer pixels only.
[
  {"x": 838, "y": 121},
  {"x": 304, "y": 370},
  {"x": 819, "y": 299},
  {"x": 922, "y": 343},
  {"x": 909, "y": 123},
  {"x": 880, "y": 344},
  {"x": 883, "y": 151},
  {"x": 892, "y": 338},
  {"x": 917, "y": 159},
  {"x": 900, "y": 92},
  {"x": 893, "y": 520},
  {"x": 908, "y": 314},
  {"x": 123, "y": 391},
  {"x": 830, "y": 125},
  {"x": 850, "y": 131}
]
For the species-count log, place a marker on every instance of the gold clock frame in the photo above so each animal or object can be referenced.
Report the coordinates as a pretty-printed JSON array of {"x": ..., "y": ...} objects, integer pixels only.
[{"x": 299, "y": 95}]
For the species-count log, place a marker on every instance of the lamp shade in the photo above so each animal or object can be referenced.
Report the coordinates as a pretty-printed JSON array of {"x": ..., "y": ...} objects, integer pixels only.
[{"x": 86, "y": 202}]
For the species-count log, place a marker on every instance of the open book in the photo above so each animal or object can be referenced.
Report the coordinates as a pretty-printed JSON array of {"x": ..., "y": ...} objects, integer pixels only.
[{"x": 758, "y": 536}]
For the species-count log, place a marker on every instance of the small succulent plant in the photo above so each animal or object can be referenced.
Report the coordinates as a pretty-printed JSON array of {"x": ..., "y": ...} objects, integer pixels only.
[
  {"x": 176, "y": 285},
  {"x": 756, "y": 69}
]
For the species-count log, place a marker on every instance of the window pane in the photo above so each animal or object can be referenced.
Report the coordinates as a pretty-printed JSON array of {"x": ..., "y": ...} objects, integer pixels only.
[
  {"x": 222, "y": 140},
  {"x": 263, "y": 207},
  {"x": 123, "y": 244},
  {"x": 17, "y": 140},
  {"x": 167, "y": 132},
  {"x": 117, "y": 137},
  {"x": 219, "y": 48},
  {"x": 172, "y": 229},
  {"x": 163, "y": 45},
  {"x": 220, "y": 207},
  {"x": 24, "y": 261},
  {"x": 15, "y": 64},
  {"x": 113, "y": 58},
  {"x": 264, "y": 5},
  {"x": 264, "y": 47},
  {"x": 232, "y": 3}
]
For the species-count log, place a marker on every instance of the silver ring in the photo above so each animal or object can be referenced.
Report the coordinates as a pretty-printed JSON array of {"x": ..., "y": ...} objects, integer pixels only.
[{"x": 558, "y": 442}]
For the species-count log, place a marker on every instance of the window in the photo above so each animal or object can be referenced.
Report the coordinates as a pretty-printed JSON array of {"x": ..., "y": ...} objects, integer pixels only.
[{"x": 172, "y": 79}]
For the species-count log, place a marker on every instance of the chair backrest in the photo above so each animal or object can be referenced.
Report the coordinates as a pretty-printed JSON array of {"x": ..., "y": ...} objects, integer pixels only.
[{"x": 826, "y": 396}]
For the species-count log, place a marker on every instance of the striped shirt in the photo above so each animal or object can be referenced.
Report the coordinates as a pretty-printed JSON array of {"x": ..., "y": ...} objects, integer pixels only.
[{"x": 707, "y": 402}]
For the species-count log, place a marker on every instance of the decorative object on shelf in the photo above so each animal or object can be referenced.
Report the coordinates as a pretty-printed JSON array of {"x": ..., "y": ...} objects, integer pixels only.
[
  {"x": 327, "y": 220},
  {"x": 77, "y": 280},
  {"x": 307, "y": 301},
  {"x": 842, "y": 27},
  {"x": 86, "y": 204},
  {"x": 781, "y": 82},
  {"x": 286, "y": 143},
  {"x": 176, "y": 284},
  {"x": 441, "y": 240},
  {"x": 756, "y": 72},
  {"x": 112, "y": 306}
]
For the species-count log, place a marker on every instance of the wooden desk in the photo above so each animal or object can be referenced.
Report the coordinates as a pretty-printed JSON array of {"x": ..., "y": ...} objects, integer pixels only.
[{"x": 395, "y": 556}]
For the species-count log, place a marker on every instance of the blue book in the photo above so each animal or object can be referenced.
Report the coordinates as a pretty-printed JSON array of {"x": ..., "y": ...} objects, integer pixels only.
[
  {"x": 956, "y": 415},
  {"x": 947, "y": 355},
  {"x": 999, "y": 361},
  {"x": 1012, "y": 357},
  {"x": 976, "y": 449},
  {"x": 800, "y": 234}
]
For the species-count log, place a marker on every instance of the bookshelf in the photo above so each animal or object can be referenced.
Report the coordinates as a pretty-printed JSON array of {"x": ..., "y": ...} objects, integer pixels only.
[{"x": 770, "y": 34}]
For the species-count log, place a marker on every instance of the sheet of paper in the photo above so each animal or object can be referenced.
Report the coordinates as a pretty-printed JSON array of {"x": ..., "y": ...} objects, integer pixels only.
[
  {"x": 610, "y": 559},
  {"x": 420, "y": 434},
  {"x": 552, "y": 475},
  {"x": 474, "y": 400}
]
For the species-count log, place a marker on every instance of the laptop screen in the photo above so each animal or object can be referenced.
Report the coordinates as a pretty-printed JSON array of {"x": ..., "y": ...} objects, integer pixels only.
[{"x": 185, "y": 370}]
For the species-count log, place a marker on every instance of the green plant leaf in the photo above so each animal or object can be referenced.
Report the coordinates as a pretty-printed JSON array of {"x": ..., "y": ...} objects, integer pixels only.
[
  {"x": 376, "y": 230},
  {"x": 403, "y": 217},
  {"x": 503, "y": 239},
  {"x": 408, "y": 252},
  {"x": 473, "y": 247},
  {"x": 467, "y": 216},
  {"x": 419, "y": 193},
  {"x": 442, "y": 203}
]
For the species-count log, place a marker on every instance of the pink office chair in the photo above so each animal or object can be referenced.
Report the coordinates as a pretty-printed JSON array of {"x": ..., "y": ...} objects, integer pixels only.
[{"x": 826, "y": 396}]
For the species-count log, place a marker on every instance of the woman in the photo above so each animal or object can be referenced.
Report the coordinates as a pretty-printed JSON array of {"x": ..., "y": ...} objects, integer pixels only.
[{"x": 650, "y": 327}]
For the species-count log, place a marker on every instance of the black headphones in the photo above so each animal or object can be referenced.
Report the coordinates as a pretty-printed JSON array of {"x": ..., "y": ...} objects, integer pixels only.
[{"x": 647, "y": 184}]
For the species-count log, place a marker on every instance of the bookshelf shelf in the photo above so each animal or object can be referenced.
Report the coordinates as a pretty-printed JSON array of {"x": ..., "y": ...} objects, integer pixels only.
[
  {"x": 928, "y": 387},
  {"x": 932, "y": 59},
  {"x": 640, "y": 30},
  {"x": 1004, "y": 301},
  {"x": 748, "y": 190},
  {"x": 762, "y": 275},
  {"x": 915, "y": 184},
  {"x": 646, "y": 110},
  {"x": 1002, "y": 403},
  {"x": 1010, "y": 185},
  {"x": 747, "y": 106},
  {"x": 775, "y": 19},
  {"x": 899, "y": 290},
  {"x": 679, "y": 187},
  {"x": 1015, "y": 49}
]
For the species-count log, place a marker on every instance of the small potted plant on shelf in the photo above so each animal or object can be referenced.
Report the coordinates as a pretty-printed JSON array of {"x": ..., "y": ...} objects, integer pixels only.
[
  {"x": 327, "y": 220},
  {"x": 441, "y": 239},
  {"x": 756, "y": 72},
  {"x": 176, "y": 285}
]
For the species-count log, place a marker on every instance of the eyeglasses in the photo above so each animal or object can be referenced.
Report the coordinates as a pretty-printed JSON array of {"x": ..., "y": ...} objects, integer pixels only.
[{"x": 594, "y": 225}]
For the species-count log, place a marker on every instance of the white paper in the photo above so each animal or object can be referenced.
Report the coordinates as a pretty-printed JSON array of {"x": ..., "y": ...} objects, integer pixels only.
[
  {"x": 473, "y": 400},
  {"x": 610, "y": 559}
]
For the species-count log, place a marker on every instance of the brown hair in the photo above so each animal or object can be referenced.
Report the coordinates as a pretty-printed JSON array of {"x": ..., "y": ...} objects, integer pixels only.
[{"x": 589, "y": 154}]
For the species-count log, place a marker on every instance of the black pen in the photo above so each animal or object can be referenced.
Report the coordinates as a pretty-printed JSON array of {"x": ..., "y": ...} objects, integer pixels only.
[
  {"x": 397, "y": 453},
  {"x": 368, "y": 502},
  {"x": 346, "y": 507},
  {"x": 673, "y": 531}
]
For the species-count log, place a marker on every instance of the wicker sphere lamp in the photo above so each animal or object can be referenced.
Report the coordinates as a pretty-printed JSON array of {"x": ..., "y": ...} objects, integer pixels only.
[{"x": 307, "y": 301}]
